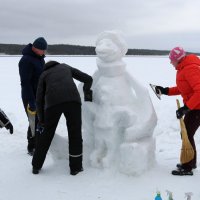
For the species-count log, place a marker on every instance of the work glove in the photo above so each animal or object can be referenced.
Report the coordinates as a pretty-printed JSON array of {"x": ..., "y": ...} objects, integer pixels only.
[
  {"x": 31, "y": 106},
  {"x": 162, "y": 90},
  {"x": 182, "y": 111},
  {"x": 10, "y": 127},
  {"x": 31, "y": 110},
  {"x": 88, "y": 95},
  {"x": 40, "y": 128}
]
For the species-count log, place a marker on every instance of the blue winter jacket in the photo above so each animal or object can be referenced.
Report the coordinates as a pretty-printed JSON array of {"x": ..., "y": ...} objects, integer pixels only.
[{"x": 30, "y": 69}]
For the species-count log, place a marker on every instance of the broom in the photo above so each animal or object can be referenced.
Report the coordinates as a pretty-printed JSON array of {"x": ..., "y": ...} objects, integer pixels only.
[{"x": 187, "y": 151}]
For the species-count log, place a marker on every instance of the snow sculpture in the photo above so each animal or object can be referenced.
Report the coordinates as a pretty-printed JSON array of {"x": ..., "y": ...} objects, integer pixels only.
[{"x": 121, "y": 117}]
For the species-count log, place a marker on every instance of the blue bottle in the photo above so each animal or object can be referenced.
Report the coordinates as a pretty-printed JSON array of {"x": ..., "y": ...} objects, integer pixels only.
[{"x": 158, "y": 196}]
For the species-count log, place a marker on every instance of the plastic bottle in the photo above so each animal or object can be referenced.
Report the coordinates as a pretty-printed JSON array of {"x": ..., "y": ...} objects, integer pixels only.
[
  {"x": 188, "y": 195},
  {"x": 169, "y": 194},
  {"x": 158, "y": 196}
]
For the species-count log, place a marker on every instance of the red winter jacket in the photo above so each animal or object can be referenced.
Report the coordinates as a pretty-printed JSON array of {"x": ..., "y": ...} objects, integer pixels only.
[{"x": 188, "y": 81}]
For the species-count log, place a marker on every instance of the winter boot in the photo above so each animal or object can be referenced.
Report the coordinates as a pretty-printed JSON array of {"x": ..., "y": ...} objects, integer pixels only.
[
  {"x": 75, "y": 172},
  {"x": 30, "y": 150},
  {"x": 182, "y": 172},
  {"x": 35, "y": 170},
  {"x": 31, "y": 146},
  {"x": 75, "y": 164}
]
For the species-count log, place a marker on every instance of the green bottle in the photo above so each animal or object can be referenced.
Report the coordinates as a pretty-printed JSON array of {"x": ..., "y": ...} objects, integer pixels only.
[{"x": 158, "y": 196}]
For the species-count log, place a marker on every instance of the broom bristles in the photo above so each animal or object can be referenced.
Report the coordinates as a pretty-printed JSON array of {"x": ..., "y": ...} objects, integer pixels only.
[
  {"x": 187, "y": 151},
  {"x": 186, "y": 155}
]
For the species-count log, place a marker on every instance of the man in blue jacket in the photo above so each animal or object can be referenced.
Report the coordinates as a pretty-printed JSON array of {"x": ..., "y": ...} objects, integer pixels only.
[{"x": 30, "y": 67}]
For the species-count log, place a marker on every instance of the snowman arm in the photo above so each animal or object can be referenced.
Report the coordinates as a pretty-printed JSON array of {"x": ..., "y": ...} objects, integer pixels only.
[
  {"x": 139, "y": 89},
  {"x": 124, "y": 117},
  {"x": 135, "y": 133},
  {"x": 141, "y": 129}
]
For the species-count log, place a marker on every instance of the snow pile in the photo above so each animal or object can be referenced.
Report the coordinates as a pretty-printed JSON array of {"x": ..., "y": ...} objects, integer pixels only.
[{"x": 121, "y": 119}]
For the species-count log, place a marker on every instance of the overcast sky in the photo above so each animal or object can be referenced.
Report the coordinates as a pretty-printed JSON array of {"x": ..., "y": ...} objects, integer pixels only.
[{"x": 147, "y": 24}]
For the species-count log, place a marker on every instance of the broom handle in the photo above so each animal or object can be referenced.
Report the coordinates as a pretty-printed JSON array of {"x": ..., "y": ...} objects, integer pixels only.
[
  {"x": 178, "y": 103},
  {"x": 182, "y": 124}
]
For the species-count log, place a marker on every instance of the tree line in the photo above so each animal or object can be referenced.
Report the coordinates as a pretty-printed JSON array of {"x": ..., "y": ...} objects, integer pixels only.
[{"x": 65, "y": 49}]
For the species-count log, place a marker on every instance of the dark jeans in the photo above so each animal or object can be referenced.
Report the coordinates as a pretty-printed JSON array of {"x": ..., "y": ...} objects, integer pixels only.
[
  {"x": 72, "y": 113},
  {"x": 192, "y": 123},
  {"x": 31, "y": 139}
]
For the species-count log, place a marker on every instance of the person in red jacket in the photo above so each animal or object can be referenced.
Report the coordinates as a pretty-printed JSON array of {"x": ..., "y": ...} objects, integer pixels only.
[{"x": 188, "y": 86}]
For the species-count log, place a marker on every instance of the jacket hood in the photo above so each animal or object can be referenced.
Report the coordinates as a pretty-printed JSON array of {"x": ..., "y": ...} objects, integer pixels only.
[
  {"x": 188, "y": 60},
  {"x": 28, "y": 51},
  {"x": 50, "y": 64}
]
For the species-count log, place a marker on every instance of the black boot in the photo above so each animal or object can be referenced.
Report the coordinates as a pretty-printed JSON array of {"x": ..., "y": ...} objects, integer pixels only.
[
  {"x": 30, "y": 150},
  {"x": 75, "y": 164},
  {"x": 182, "y": 172},
  {"x": 31, "y": 146},
  {"x": 35, "y": 170},
  {"x": 75, "y": 172}
]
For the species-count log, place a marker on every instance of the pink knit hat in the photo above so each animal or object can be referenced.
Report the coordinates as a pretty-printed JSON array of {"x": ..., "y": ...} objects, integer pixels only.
[{"x": 176, "y": 54}]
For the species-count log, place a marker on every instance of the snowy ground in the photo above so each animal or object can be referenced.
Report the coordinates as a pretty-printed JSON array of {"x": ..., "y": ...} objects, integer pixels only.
[{"x": 54, "y": 181}]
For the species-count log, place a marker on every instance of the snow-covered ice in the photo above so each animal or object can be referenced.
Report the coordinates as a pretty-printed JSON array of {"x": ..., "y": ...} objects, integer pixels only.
[{"x": 54, "y": 181}]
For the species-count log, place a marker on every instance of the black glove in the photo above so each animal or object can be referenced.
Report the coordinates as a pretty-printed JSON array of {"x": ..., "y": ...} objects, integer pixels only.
[
  {"x": 40, "y": 128},
  {"x": 182, "y": 111},
  {"x": 5, "y": 122},
  {"x": 162, "y": 90},
  {"x": 88, "y": 95},
  {"x": 10, "y": 127}
]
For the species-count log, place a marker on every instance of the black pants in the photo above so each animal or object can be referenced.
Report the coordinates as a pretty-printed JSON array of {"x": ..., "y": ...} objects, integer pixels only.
[
  {"x": 31, "y": 139},
  {"x": 192, "y": 123},
  {"x": 72, "y": 113}
]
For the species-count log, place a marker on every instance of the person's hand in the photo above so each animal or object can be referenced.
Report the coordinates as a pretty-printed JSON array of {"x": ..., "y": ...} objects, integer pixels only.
[
  {"x": 10, "y": 127},
  {"x": 40, "y": 128},
  {"x": 182, "y": 111},
  {"x": 88, "y": 95},
  {"x": 162, "y": 90}
]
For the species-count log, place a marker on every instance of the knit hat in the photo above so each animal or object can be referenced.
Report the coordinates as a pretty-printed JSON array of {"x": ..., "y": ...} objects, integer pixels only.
[
  {"x": 176, "y": 54},
  {"x": 40, "y": 43}
]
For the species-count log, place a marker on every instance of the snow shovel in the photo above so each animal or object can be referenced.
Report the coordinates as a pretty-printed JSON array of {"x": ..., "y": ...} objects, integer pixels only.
[
  {"x": 187, "y": 151},
  {"x": 153, "y": 88},
  {"x": 31, "y": 119}
]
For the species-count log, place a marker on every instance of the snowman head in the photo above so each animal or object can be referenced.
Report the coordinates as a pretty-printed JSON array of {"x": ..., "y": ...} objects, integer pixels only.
[{"x": 111, "y": 46}]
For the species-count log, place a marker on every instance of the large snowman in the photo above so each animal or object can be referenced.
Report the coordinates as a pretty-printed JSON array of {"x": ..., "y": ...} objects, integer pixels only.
[{"x": 120, "y": 121}]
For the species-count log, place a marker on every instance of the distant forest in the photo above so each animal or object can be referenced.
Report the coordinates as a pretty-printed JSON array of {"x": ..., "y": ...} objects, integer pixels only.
[{"x": 65, "y": 49}]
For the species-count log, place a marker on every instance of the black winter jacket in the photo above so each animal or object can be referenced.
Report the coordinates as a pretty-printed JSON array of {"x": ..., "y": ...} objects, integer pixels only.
[
  {"x": 56, "y": 86},
  {"x": 30, "y": 68}
]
